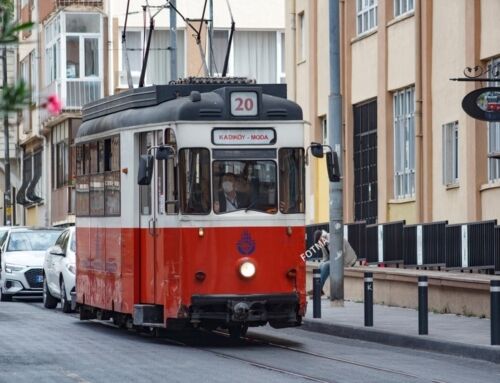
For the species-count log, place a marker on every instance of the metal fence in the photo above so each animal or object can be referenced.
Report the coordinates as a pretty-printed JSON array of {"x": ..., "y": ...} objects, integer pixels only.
[{"x": 468, "y": 246}]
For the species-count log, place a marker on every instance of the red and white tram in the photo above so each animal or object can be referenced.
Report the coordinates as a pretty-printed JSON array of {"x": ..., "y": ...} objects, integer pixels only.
[{"x": 213, "y": 235}]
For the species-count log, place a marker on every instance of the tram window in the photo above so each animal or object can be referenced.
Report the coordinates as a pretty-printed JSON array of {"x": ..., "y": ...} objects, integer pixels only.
[
  {"x": 86, "y": 159},
  {"x": 171, "y": 198},
  {"x": 145, "y": 141},
  {"x": 97, "y": 194},
  {"x": 195, "y": 181},
  {"x": 112, "y": 193},
  {"x": 160, "y": 175},
  {"x": 112, "y": 176},
  {"x": 292, "y": 180},
  {"x": 244, "y": 184},
  {"x": 82, "y": 196}
]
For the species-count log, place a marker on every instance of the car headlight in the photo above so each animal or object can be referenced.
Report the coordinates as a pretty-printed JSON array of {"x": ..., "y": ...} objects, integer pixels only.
[
  {"x": 10, "y": 268},
  {"x": 247, "y": 269},
  {"x": 71, "y": 268}
]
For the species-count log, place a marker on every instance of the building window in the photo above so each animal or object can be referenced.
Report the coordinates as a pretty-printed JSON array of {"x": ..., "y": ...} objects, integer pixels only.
[
  {"x": 494, "y": 128},
  {"x": 450, "y": 153},
  {"x": 60, "y": 155},
  {"x": 158, "y": 69},
  {"x": 366, "y": 15},
  {"x": 324, "y": 130},
  {"x": 403, "y": 6},
  {"x": 404, "y": 143},
  {"x": 52, "y": 50},
  {"x": 281, "y": 78},
  {"x": 301, "y": 36},
  {"x": 254, "y": 54}
]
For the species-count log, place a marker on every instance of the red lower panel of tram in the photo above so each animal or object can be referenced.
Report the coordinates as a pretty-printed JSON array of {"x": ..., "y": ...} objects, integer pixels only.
[{"x": 119, "y": 267}]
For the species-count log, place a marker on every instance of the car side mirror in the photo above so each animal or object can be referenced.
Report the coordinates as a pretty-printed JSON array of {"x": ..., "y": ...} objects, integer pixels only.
[
  {"x": 145, "y": 169},
  {"x": 57, "y": 250},
  {"x": 332, "y": 165}
]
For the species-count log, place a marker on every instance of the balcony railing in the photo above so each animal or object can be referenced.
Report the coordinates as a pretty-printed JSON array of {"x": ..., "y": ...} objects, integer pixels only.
[
  {"x": 74, "y": 93},
  {"x": 91, "y": 3}
]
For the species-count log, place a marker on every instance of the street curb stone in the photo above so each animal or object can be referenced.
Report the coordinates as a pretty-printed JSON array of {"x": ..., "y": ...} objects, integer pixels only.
[{"x": 487, "y": 353}]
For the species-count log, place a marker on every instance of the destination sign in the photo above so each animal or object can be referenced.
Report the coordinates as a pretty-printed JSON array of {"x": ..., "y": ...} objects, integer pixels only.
[{"x": 243, "y": 136}]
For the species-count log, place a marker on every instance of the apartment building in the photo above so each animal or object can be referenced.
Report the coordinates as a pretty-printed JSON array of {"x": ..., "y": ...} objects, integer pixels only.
[
  {"x": 76, "y": 52},
  {"x": 410, "y": 150}
]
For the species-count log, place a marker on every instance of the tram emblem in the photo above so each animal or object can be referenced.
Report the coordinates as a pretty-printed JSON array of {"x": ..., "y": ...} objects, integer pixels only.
[{"x": 246, "y": 245}]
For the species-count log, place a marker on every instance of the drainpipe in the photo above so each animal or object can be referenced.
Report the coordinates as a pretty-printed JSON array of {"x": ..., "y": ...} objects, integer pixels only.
[{"x": 419, "y": 168}]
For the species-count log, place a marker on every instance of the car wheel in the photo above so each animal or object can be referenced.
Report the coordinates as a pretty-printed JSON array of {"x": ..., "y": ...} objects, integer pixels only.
[
  {"x": 5, "y": 298},
  {"x": 49, "y": 301},
  {"x": 65, "y": 304}
]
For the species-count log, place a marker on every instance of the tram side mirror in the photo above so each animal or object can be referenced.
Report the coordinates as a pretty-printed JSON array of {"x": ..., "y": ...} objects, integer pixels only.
[
  {"x": 317, "y": 150},
  {"x": 332, "y": 164},
  {"x": 145, "y": 169},
  {"x": 164, "y": 153}
]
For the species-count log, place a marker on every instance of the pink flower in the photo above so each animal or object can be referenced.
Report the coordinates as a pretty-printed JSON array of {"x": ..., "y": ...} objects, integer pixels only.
[{"x": 53, "y": 105}]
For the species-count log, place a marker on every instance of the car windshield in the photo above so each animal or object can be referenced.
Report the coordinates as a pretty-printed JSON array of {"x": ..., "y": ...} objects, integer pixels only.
[{"x": 35, "y": 240}]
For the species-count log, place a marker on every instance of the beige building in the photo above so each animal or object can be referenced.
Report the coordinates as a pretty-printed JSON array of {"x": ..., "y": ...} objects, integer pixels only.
[
  {"x": 411, "y": 152},
  {"x": 76, "y": 52}
]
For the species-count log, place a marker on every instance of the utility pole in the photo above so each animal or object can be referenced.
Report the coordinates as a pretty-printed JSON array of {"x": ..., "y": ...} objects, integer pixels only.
[
  {"x": 210, "y": 37},
  {"x": 335, "y": 140},
  {"x": 173, "y": 41},
  {"x": 7, "y": 204}
]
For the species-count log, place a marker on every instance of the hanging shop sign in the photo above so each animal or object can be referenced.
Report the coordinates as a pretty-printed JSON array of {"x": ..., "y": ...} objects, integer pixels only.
[{"x": 484, "y": 103}]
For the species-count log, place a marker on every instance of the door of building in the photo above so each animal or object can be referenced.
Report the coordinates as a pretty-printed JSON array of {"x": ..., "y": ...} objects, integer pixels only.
[{"x": 365, "y": 162}]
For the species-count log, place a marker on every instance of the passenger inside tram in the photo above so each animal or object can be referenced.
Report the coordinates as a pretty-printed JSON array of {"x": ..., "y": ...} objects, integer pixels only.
[{"x": 230, "y": 198}]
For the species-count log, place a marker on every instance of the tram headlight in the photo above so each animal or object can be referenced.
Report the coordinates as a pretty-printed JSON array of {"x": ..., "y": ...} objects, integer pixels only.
[{"x": 247, "y": 269}]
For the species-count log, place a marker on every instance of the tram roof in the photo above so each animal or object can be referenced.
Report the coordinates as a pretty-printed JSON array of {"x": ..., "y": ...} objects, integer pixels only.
[{"x": 183, "y": 102}]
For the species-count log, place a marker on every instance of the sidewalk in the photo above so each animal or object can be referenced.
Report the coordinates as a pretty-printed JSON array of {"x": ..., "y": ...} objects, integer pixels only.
[{"x": 448, "y": 333}]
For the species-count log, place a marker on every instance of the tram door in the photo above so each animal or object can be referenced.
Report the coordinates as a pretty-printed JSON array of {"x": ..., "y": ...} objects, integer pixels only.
[{"x": 148, "y": 224}]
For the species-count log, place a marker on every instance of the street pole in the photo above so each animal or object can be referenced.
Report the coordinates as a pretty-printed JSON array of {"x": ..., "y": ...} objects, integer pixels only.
[
  {"x": 7, "y": 204},
  {"x": 335, "y": 140},
  {"x": 173, "y": 41}
]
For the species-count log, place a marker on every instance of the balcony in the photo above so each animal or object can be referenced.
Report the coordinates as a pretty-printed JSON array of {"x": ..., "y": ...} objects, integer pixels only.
[
  {"x": 47, "y": 7},
  {"x": 73, "y": 93}
]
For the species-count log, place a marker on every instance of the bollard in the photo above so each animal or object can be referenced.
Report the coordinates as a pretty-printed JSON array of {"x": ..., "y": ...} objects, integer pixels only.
[
  {"x": 316, "y": 293},
  {"x": 423, "y": 312},
  {"x": 495, "y": 312},
  {"x": 368, "y": 299}
]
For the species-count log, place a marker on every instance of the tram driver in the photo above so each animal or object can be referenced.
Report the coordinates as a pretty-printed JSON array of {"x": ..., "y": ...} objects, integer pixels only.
[{"x": 230, "y": 199}]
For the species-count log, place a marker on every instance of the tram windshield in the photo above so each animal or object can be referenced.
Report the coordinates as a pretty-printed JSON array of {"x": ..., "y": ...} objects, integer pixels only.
[{"x": 244, "y": 185}]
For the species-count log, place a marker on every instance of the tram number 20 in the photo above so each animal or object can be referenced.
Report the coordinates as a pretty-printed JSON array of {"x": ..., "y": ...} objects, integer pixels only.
[{"x": 244, "y": 104}]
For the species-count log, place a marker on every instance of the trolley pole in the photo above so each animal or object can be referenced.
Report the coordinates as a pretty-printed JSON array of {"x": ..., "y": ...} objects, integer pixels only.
[
  {"x": 173, "y": 40},
  {"x": 335, "y": 140},
  {"x": 211, "y": 38}
]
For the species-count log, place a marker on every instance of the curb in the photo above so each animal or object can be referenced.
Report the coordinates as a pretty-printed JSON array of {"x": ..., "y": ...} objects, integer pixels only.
[{"x": 487, "y": 353}]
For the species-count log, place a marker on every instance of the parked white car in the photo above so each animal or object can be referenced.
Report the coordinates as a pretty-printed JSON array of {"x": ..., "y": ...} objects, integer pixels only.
[
  {"x": 59, "y": 270},
  {"x": 21, "y": 262}
]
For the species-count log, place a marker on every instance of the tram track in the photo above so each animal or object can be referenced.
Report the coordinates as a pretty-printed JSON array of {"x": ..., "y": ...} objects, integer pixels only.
[
  {"x": 211, "y": 339},
  {"x": 260, "y": 341}
]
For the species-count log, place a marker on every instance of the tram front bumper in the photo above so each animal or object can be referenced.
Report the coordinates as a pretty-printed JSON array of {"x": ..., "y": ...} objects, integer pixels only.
[{"x": 280, "y": 310}]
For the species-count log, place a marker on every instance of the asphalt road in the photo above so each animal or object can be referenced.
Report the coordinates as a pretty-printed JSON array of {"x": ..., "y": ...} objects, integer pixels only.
[{"x": 39, "y": 345}]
